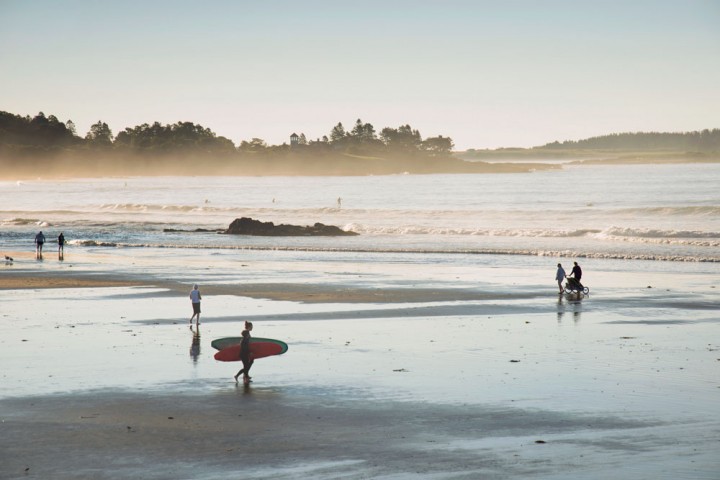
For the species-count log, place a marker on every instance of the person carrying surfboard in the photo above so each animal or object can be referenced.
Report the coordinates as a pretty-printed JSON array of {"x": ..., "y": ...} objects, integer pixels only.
[
  {"x": 245, "y": 357},
  {"x": 249, "y": 327}
]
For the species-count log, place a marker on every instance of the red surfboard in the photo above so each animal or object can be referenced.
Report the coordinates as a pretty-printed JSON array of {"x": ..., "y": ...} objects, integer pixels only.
[{"x": 259, "y": 348}]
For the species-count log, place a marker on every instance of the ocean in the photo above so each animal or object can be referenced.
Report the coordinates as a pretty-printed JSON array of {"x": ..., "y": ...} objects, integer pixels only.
[{"x": 622, "y": 212}]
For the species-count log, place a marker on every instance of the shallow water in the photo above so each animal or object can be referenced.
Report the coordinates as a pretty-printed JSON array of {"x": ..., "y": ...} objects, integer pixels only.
[{"x": 667, "y": 212}]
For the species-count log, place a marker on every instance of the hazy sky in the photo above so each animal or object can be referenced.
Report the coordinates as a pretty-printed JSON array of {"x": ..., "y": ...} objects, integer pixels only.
[{"x": 486, "y": 73}]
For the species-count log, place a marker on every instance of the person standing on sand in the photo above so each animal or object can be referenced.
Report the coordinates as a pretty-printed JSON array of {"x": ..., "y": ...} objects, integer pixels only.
[
  {"x": 245, "y": 357},
  {"x": 39, "y": 241},
  {"x": 195, "y": 298},
  {"x": 61, "y": 246},
  {"x": 560, "y": 276}
]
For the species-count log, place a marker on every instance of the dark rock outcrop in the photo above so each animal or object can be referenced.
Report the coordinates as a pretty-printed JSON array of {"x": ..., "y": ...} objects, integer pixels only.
[{"x": 249, "y": 226}]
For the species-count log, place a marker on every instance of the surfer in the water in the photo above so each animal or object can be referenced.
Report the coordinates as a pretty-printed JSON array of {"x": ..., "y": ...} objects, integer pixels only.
[
  {"x": 245, "y": 356},
  {"x": 39, "y": 242},
  {"x": 195, "y": 298}
]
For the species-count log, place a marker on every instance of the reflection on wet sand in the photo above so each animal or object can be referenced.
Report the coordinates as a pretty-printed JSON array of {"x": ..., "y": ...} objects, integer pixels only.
[
  {"x": 573, "y": 302},
  {"x": 195, "y": 346}
]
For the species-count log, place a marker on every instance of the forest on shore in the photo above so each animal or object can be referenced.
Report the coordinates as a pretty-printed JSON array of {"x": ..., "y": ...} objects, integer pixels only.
[
  {"x": 46, "y": 146},
  {"x": 649, "y": 147}
]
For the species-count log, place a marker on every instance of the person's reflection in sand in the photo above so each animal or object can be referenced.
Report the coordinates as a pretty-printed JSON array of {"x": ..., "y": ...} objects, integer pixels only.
[
  {"x": 195, "y": 346},
  {"x": 577, "y": 308},
  {"x": 560, "y": 309}
]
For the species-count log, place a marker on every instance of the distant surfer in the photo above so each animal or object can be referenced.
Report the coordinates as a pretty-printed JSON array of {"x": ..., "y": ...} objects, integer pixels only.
[
  {"x": 339, "y": 202},
  {"x": 39, "y": 242},
  {"x": 195, "y": 298},
  {"x": 245, "y": 355},
  {"x": 61, "y": 246},
  {"x": 560, "y": 276}
]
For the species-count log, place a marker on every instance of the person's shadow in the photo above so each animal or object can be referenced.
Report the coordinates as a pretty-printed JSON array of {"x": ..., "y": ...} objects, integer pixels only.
[{"x": 195, "y": 346}]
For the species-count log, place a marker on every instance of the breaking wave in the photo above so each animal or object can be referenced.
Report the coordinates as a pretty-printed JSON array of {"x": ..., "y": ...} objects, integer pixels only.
[
  {"x": 614, "y": 233},
  {"x": 23, "y": 221}
]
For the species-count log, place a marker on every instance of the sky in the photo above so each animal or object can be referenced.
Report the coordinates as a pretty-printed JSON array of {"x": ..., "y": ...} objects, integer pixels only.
[{"x": 488, "y": 74}]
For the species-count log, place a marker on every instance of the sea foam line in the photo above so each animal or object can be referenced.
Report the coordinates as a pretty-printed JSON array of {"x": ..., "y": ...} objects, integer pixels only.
[{"x": 423, "y": 251}]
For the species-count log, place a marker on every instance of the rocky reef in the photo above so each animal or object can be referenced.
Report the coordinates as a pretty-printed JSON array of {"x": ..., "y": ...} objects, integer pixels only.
[{"x": 249, "y": 226}]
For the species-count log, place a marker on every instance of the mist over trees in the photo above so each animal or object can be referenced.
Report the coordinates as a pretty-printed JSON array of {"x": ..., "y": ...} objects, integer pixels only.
[
  {"x": 24, "y": 136},
  {"x": 38, "y": 134},
  {"x": 180, "y": 137},
  {"x": 46, "y": 144}
]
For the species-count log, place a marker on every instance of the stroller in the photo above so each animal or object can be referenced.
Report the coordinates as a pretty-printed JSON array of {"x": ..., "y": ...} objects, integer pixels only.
[{"x": 572, "y": 285}]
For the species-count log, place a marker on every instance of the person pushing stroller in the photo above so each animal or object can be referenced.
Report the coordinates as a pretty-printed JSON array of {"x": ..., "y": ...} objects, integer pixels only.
[{"x": 575, "y": 276}]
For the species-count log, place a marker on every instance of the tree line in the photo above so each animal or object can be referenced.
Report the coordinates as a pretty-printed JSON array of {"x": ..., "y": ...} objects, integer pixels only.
[
  {"x": 46, "y": 135},
  {"x": 698, "y": 141}
]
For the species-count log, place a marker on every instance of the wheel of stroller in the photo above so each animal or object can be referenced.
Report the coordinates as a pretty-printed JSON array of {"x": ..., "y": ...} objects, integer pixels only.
[{"x": 586, "y": 290}]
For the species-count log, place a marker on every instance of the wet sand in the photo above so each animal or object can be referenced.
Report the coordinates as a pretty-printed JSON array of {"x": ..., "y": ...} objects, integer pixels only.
[
  {"x": 264, "y": 433},
  {"x": 102, "y": 378}
]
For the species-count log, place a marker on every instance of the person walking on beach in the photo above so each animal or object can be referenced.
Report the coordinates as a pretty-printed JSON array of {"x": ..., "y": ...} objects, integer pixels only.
[
  {"x": 560, "y": 276},
  {"x": 574, "y": 278},
  {"x": 39, "y": 242},
  {"x": 195, "y": 298},
  {"x": 61, "y": 246},
  {"x": 245, "y": 357},
  {"x": 576, "y": 272}
]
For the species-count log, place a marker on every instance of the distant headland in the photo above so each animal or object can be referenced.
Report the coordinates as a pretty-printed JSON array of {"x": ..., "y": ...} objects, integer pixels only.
[{"x": 45, "y": 146}]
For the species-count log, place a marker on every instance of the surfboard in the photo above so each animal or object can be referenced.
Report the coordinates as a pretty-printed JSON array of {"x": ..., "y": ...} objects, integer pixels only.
[
  {"x": 222, "y": 343},
  {"x": 259, "y": 348}
]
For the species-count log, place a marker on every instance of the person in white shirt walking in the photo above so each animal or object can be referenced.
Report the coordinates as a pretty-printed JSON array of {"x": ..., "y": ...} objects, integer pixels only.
[
  {"x": 195, "y": 298},
  {"x": 560, "y": 276}
]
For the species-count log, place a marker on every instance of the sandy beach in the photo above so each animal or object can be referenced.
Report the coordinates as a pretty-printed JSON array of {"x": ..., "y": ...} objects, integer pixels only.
[{"x": 492, "y": 375}]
